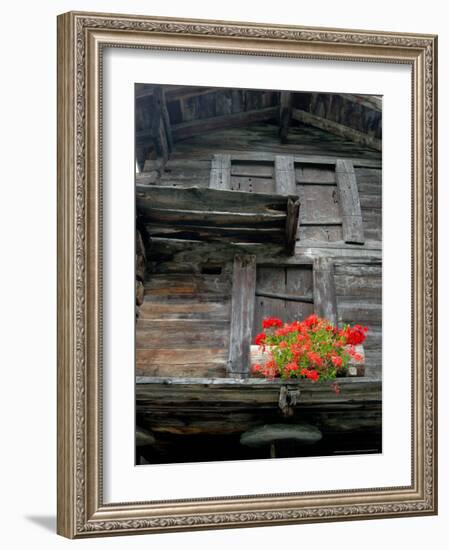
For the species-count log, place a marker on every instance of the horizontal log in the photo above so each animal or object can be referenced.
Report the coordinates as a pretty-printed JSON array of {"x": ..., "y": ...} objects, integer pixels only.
[
  {"x": 181, "y": 356},
  {"x": 187, "y": 283},
  {"x": 182, "y": 369},
  {"x": 181, "y": 333},
  {"x": 175, "y": 309},
  {"x": 206, "y": 200},
  {"x": 216, "y": 232},
  {"x": 236, "y": 392},
  {"x": 228, "y": 219}
]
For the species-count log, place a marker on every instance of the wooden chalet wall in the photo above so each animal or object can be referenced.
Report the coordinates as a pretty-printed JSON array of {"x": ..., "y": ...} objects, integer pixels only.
[{"x": 238, "y": 140}]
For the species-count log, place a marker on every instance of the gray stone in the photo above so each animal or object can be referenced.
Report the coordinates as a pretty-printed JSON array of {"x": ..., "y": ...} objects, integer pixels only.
[{"x": 273, "y": 433}]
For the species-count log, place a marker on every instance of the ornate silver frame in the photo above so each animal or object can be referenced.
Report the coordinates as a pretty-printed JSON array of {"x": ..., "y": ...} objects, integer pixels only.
[{"x": 81, "y": 37}]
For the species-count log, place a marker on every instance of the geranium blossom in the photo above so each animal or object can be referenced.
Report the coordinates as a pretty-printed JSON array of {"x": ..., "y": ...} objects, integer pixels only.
[{"x": 269, "y": 322}]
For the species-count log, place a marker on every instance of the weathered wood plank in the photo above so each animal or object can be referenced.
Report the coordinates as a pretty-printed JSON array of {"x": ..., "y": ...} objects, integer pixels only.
[
  {"x": 319, "y": 234},
  {"x": 227, "y": 392},
  {"x": 199, "y": 370},
  {"x": 314, "y": 175},
  {"x": 357, "y": 286},
  {"x": 166, "y": 120},
  {"x": 200, "y": 126},
  {"x": 147, "y": 178},
  {"x": 285, "y": 111},
  {"x": 187, "y": 283},
  {"x": 184, "y": 309},
  {"x": 349, "y": 202},
  {"x": 217, "y": 233},
  {"x": 338, "y": 129},
  {"x": 242, "y": 314},
  {"x": 307, "y": 299},
  {"x": 181, "y": 333},
  {"x": 209, "y": 200},
  {"x": 307, "y": 159},
  {"x": 285, "y": 175},
  {"x": 252, "y": 169},
  {"x": 220, "y": 173},
  {"x": 219, "y": 219},
  {"x": 291, "y": 225},
  {"x": 253, "y": 184},
  {"x": 170, "y": 255},
  {"x": 324, "y": 290},
  {"x": 319, "y": 204}
]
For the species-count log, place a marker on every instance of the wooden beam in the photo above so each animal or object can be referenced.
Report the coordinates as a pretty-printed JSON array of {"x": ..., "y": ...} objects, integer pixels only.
[
  {"x": 209, "y": 200},
  {"x": 285, "y": 113},
  {"x": 324, "y": 296},
  {"x": 291, "y": 225},
  {"x": 349, "y": 202},
  {"x": 166, "y": 120},
  {"x": 200, "y": 126},
  {"x": 220, "y": 173},
  {"x": 284, "y": 168},
  {"x": 242, "y": 315},
  {"x": 337, "y": 129}
]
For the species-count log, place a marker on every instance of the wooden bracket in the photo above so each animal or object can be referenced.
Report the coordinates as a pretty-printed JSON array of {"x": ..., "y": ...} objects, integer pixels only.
[{"x": 291, "y": 224}]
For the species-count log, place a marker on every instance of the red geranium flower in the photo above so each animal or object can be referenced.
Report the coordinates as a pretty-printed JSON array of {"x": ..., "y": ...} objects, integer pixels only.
[
  {"x": 313, "y": 375},
  {"x": 269, "y": 322},
  {"x": 260, "y": 339},
  {"x": 337, "y": 361},
  {"x": 311, "y": 321},
  {"x": 355, "y": 335}
]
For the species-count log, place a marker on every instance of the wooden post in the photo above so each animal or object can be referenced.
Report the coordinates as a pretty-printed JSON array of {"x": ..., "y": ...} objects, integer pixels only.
[
  {"x": 291, "y": 225},
  {"x": 220, "y": 173},
  {"x": 242, "y": 315},
  {"x": 324, "y": 290},
  {"x": 166, "y": 120},
  {"x": 285, "y": 115},
  {"x": 285, "y": 175},
  {"x": 158, "y": 128},
  {"x": 349, "y": 202}
]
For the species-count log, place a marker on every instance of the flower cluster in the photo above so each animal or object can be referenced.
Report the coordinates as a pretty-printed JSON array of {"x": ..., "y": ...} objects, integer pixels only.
[{"x": 313, "y": 349}]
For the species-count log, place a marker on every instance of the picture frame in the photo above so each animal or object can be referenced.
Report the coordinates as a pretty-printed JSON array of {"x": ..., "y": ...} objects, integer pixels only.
[{"x": 82, "y": 40}]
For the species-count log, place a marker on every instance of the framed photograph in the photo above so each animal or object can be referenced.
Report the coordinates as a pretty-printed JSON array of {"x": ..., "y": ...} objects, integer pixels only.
[{"x": 246, "y": 274}]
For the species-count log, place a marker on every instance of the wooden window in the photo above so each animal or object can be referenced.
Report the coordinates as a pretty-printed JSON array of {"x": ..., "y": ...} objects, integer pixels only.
[{"x": 290, "y": 293}]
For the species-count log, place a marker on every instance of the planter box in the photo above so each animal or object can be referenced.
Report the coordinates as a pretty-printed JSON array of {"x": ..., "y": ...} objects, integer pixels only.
[{"x": 354, "y": 369}]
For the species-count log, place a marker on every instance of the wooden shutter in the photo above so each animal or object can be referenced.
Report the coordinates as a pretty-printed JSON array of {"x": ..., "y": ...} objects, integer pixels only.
[{"x": 284, "y": 292}]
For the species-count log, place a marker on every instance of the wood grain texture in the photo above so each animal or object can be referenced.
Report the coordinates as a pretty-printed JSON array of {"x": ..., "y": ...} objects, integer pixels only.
[
  {"x": 242, "y": 314},
  {"x": 324, "y": 290},
  {"x": 349, "y": 202},
  {"x": 285, "y": 175},
  {"x": 220, "y": 172}
]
